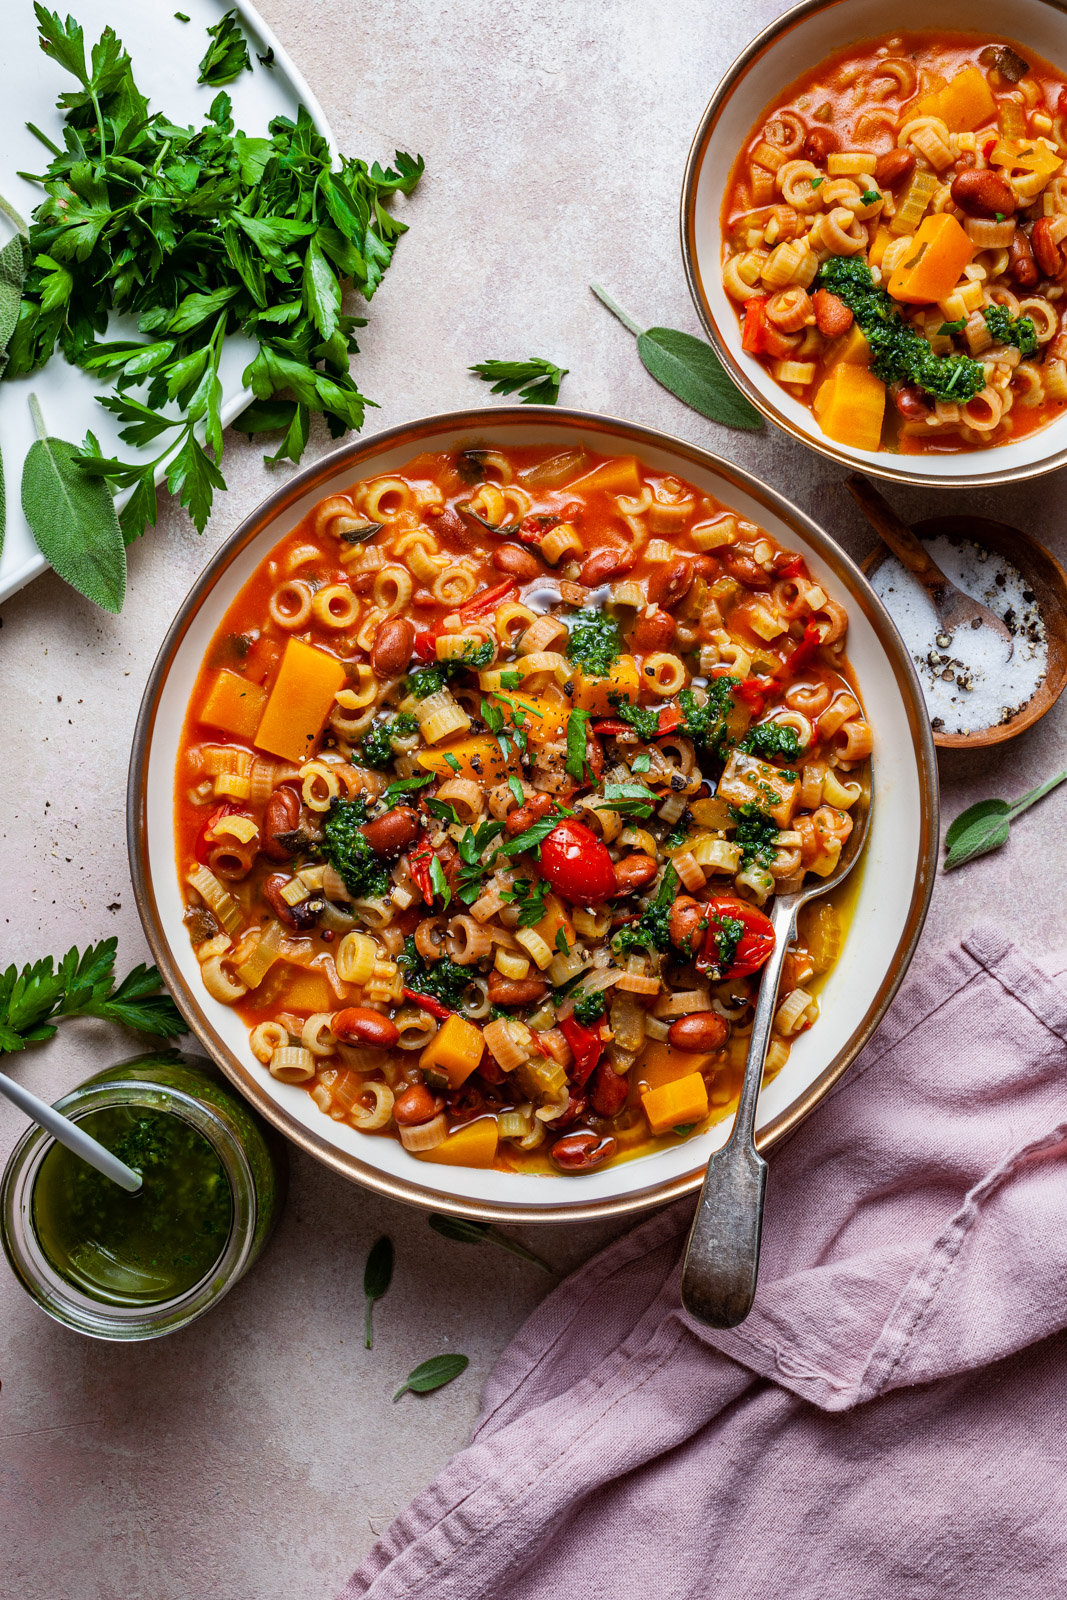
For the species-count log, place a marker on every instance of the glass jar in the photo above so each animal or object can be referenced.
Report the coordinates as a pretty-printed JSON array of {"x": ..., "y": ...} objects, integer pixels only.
[{"x": 252, "y": 1159}]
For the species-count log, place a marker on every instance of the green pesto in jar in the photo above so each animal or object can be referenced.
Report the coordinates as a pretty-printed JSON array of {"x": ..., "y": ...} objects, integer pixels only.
[{"x": 135, "y": 1249}]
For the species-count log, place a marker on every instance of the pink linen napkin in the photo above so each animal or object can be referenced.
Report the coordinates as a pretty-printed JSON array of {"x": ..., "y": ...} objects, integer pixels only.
[{"x": 888, "y": 1424}]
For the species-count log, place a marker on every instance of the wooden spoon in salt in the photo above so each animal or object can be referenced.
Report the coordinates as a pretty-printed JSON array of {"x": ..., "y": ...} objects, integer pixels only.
[{"x": 954, "y": 608}]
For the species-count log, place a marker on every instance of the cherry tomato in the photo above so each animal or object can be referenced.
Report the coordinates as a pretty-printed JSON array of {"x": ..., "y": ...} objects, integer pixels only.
[
  {"x": 203, "y": 844},
  {"x": 577, "y": 865},
  {"x": 754, "y": 946}
]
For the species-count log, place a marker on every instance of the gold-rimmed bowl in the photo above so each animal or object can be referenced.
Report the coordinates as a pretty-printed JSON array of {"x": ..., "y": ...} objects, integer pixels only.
[
  {"x": 802, "y": 37},
  {"x": 889, "y": 910}
]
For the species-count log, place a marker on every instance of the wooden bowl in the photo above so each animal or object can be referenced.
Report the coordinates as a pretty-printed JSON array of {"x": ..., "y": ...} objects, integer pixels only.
[{"x": 1044, "y": 575}]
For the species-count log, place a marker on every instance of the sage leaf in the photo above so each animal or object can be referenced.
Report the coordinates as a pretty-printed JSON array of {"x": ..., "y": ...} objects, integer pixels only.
[
  {"x": 689, "y": 368},
  {"x": 13, "y": 263},
  {"x": 72, "y": 517},
  {"x": 985, "y": 826},
  {"x": 433, "y": 1374},
  {"x": 463, "y": 1231},
  {"x": 377, "y": 1276}
]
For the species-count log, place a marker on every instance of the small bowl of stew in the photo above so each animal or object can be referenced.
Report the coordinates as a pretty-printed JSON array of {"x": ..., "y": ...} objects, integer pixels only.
[
  {"x": 461, "y": 784},
  {"x": 874, "y": 228}
]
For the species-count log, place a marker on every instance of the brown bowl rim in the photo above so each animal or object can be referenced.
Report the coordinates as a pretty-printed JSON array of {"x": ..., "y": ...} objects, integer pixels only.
[
  {"x": 884, "y": 465},
  {"x": 1042, "y": 700},
  {"x": 473, "y": 422}
]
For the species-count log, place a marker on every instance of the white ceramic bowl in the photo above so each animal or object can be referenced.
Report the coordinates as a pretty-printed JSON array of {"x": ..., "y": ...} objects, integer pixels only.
[
  {"x": 797, "y": 41},
  {"x": 893, "y": 892}
]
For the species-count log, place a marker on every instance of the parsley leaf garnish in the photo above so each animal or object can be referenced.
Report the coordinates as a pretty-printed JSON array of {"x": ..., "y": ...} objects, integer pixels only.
[
  {"x": 403, "y": 786},
  {"x": 82, "y": 984},
  {"x": 533, "y": 836},
  {"x": 576, "y": 766},
  {"x": 227, "y": 54},
  {"x": 530, "y": 897},
  {"x": 628, "y": 799},
  {"x": 196, "y": 234},
  {"x": 653, "y": 927},
  {"x": 536, "y": 380}
]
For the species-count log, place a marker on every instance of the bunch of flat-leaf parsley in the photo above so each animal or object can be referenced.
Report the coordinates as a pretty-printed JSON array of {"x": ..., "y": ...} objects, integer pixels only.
[{"x": 197, "y": 233}]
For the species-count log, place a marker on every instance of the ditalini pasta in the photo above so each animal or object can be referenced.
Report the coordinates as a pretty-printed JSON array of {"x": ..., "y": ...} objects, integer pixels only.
[
  {"x": 894, "y": 241},
  {"x": 487, "y": 777}
]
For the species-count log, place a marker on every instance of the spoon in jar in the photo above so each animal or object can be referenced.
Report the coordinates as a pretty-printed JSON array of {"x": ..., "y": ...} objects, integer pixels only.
[
  {"x": 954, "y": 608},
  {"x": 722, "y": 1257},
  {"x": 68, "y": 1133}
]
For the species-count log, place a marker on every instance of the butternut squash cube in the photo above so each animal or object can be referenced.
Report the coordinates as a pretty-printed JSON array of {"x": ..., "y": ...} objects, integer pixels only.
[
  {"x": 619, "y": 476},
  {"x": 593, "y": 694},
  {"x": 300, "y": 701},
  {"x": 234, "y": 705},
  {"x": 308, "y": 991},
  {"x": 683, "y": 1101},
  {"x": 851, "y": 346},
  {"x": 456, "y": 1048},
  {"x": 473, "y": 1145},
  {"x": 478, "y": 757},
  {"x": 931, "y": 269},
  {"x": 882, "y": 239},
  {"x": 966, "y": 102},
  {"x": 849, "y": 406},
  {"x": 660, "y": 1063}
]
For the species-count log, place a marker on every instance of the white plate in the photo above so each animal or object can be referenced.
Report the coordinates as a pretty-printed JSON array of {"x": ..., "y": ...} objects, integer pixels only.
[
  {"x": 797, "y": 41},
  {"x": 894, "y": 890},
  {"x": 166, "y": 55}
]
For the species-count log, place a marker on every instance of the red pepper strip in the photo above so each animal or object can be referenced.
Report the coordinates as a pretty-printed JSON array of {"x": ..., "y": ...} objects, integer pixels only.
[
  {"x": 792, "y": 569},
  {"x": 670, "y": 718},
  {"x": 754, "y": 334},
  {"x": 753, "y": 692},
  {"x": 426, "y": 1002},
  {"x": 804, "y": 654},
  {"x": 488, "y": 600},
  {"x": 586, "y": 1045},
  {"x": 426, "y": 645},
  {"x": 419, "y": 862}
]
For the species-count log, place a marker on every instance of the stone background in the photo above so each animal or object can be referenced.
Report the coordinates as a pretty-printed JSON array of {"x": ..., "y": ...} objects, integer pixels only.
[{"x": 259, "y": 1452}]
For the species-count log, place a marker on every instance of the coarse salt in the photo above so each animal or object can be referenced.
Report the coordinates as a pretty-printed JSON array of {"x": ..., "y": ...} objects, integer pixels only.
[{"x": 966, "y": 678}]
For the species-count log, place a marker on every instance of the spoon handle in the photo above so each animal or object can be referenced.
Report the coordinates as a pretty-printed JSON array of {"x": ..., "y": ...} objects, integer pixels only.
[
  {"x": 66, "y": 1132},
  {"x": 722, "y": 1256},
  {"x": 896, "y": 534}
]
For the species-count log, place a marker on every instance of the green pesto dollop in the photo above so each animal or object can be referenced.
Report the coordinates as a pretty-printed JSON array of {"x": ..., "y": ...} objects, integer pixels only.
[{"x": 135, "y": 1249}]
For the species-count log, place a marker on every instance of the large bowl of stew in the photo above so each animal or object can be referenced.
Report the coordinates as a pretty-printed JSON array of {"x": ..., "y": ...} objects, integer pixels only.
[
  {"x": 874, "y": 228},
  {"x": 460, "y": 781}
]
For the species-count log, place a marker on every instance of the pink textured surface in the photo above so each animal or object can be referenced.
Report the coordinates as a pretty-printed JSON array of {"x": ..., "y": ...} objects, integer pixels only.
[{"x": 259, "y": 1452}]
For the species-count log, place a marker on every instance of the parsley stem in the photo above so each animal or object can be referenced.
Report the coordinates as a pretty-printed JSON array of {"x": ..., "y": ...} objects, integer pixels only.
[{"x": 616, "y": 310}]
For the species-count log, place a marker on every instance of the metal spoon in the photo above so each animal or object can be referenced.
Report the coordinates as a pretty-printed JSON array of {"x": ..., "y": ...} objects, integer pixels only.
[
  {"x": 954, "y": 608},
  {"x": 722, "y": 1256},
  {"x": 64, "y": 1131}
]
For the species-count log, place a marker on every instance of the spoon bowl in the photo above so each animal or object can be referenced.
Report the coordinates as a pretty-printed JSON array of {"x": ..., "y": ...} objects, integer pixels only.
[{"x": 722, "y": 1256}]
